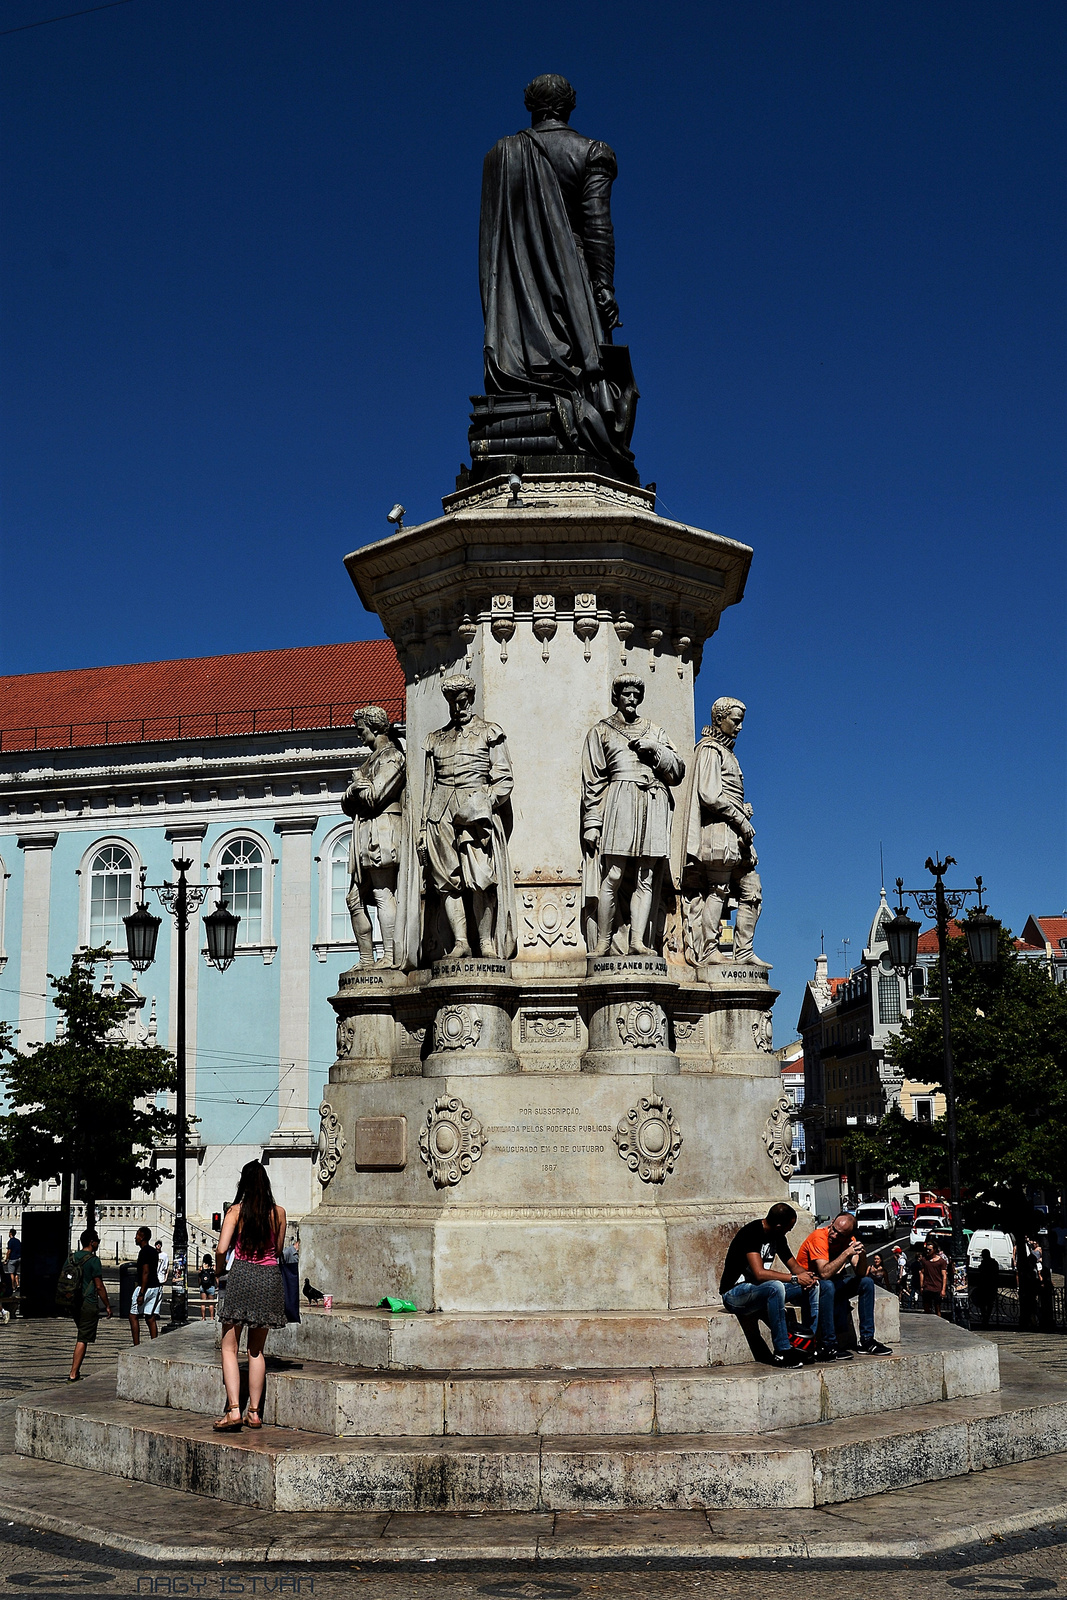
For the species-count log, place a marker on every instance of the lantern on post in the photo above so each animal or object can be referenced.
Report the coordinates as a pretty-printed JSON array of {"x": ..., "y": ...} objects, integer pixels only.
[
  {"x": 221, "y": 930},
  {"x": 902, "y": 932},
  {"x": 982, "y": 933},
  {"x": 142, "y": 931}
]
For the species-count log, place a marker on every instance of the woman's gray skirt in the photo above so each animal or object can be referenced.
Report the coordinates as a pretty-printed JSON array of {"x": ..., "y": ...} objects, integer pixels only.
[{"x": 254, "y": 1295}]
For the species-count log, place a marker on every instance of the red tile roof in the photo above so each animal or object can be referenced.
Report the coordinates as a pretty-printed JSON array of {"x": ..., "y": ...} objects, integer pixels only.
[
  {"x": 1053, "y": 930},
  {"x": 928, "y": 940},
  {"x": 314, "y": 686},
  {"x": 835, "y": 985}
]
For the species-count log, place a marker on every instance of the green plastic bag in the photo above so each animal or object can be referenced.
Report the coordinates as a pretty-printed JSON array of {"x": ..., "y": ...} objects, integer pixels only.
[{"x": 398, "y": 1305}]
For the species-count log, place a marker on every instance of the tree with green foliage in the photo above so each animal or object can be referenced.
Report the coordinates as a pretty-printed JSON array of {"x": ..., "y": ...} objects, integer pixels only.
[
  {"x": 1009, "y": 1050},
  {"x": 86, "y": 1102}
]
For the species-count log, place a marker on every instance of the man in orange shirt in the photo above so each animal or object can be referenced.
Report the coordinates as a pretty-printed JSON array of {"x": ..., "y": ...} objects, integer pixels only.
[{"x": 829, "y": 1252}]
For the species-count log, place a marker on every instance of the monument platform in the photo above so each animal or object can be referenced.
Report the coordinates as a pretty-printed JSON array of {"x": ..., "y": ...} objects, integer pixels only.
[{"x": 812, "y": 1436}]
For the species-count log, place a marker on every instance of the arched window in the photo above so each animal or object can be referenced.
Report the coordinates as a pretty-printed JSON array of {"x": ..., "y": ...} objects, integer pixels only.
[
  {"x": 241, "y": 864},
  {"x": 110, "y": 896},
  {"x": 889, "y": 997},
  {"x": 340, "y": 922}
]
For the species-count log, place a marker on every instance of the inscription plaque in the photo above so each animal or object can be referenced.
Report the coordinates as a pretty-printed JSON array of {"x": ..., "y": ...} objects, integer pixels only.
[{"x": 381, "y": 1144}]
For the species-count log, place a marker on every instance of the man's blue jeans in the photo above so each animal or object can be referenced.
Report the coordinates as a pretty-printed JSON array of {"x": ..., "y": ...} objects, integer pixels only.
[
  {"x": 835, "y": 1317},
  {"x": 768, "y": 1300}
]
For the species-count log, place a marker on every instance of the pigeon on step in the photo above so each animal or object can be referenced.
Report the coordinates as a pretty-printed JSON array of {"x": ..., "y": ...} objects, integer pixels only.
[{"x": 311, "y": 1294}]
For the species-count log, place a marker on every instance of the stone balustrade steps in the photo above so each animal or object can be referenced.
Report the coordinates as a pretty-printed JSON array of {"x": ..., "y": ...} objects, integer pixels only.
[
  {"x": 935, "y": 1362},
  {"x": 559, "y": 1340}
]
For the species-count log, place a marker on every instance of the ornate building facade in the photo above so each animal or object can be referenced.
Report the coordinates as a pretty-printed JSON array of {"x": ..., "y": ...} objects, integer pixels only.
[{"x": 238, "y": 764}]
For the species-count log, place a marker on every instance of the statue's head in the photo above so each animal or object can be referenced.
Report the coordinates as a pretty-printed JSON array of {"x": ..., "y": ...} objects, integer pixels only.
[
  {"x": 550, "y": 96},
  {"x": 459, "y": 691},
  {"x": 627, "y": 692},
  {"x": 727, "y": 716},
  {"x": 370, "y": 720}
]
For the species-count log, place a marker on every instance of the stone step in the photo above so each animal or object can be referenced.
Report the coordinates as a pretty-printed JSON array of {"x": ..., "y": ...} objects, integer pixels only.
[
  {"x": 294, "y": 1470},
  {"x": 453, "y": 1341},
  {"x": 935, "y": 1362}
]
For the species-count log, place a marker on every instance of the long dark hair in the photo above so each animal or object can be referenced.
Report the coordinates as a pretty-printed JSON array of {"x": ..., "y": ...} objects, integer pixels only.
[{"x": 255, "y": 1226}]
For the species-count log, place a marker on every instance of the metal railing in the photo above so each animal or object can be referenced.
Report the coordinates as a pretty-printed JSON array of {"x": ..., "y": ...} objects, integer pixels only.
[{"x": 194, "y": 725}]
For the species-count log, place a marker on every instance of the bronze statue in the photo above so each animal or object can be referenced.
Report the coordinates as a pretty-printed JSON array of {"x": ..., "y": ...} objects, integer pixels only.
[
  {"x": 547, "y": 268},
  {"x": 374, "y": 800},
  {"x": 628, "y": 768},
  {"x": 712, "y": 844},
  {"x": 462, "y": 839}
]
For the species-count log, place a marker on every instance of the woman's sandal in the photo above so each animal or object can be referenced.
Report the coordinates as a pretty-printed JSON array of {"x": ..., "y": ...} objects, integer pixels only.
[
  {"x": 225, "y": 1425},
  {"x": 249, "y": 1414}
]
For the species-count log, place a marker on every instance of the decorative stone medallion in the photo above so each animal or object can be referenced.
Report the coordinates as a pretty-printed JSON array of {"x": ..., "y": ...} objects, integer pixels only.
[
  {"x": 548, "y": 1027},
  {"x": 648, "y": 1139},
  {"x": 642, "y": 1025},
  {"x": 450, "y": 1141},
  {"x": 778, "y": 1137},
  {"x": 456, "y": 1028},
  {"x": 763, "y": 1032},
  {"x": 332, "y": 1142},
  {"x": 549, "y": 916}
]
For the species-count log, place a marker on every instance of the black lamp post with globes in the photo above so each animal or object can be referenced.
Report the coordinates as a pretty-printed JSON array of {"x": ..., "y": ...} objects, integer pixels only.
[
  {"x": 982, "y": 933},
  {"x": 182, "y": 899}
]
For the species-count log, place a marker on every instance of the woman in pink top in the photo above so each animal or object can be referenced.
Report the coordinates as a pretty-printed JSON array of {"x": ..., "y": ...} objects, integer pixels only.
[{"x": 252, "y": 1291}]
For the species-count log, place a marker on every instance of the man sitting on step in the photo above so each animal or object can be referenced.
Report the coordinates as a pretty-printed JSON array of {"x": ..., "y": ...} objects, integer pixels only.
[
  {"x": 751, "y": 1288},
  {"x": 840, "y": 1261}
]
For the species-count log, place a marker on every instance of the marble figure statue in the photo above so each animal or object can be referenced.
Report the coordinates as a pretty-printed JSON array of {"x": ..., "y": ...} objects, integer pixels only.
[
  {"x": 713, "y": 858},
  {"x": 375, "y": 800},
  {"x": 547, "y": 268},
  {"x": 628, "y": 769},
  {"x": 462, "y": 839}
]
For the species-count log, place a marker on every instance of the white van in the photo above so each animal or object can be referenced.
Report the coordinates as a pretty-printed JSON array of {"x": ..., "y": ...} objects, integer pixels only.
[
  {"x": 1001, "y": 1247},
  {"x": 874, "y": 1219}
]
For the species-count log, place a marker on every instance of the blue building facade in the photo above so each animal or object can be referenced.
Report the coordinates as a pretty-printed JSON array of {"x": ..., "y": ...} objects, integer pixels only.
[{"x": 201, "y": 761}]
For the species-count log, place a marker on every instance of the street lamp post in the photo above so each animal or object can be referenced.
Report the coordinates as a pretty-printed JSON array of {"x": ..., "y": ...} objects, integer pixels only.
[
  {"x": 182, "y": 899},
  {"x": 982, "y": 932}
]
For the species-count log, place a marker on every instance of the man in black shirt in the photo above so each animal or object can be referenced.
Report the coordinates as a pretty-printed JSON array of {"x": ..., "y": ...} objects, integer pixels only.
[
  {"x": 148, "y": 1295},
  {"x": 751, "y": 1287}
]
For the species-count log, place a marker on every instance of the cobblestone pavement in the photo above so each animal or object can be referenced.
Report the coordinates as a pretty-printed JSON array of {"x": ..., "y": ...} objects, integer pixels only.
[{"x": 37, "y": 1566}]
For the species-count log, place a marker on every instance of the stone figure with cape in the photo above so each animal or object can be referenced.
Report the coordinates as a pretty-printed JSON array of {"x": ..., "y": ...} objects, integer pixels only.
[{"x": 547, "y": 265}]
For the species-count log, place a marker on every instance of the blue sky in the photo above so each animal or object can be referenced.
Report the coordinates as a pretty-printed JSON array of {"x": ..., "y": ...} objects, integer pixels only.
[{"x": 240, "y": 318}]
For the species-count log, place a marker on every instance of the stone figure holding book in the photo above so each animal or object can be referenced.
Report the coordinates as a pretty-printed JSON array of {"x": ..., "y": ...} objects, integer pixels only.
[{"x": 628, "y": 769}]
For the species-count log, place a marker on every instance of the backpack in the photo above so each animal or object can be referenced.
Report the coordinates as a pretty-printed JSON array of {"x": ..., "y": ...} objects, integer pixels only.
[{"x": 70, "y": 1289}]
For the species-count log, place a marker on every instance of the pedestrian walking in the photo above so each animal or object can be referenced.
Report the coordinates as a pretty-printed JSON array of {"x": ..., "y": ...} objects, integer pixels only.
[
  {"x": 253, "y": 1296},
  {"x": 933, "y": 1277},
  {"x": 147, "y": 1296},
  {"x": 92, "y": 1301},
  {"x": 209, "y": 1290},
  {"x": 13, "y": 1260},
  {"x": 985, "y": 1280}
]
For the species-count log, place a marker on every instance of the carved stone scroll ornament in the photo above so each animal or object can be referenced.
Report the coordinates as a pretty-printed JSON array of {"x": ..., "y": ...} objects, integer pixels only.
[
  {"x": 648, "y": 1139},
  {"x": 346, "y": 1036},
  {"x": 778, "y": 1137},
  {"x": 642, "y": 1025},
  {"x": 332, "y": 1142},
  {"x": 456, "y": 1028},
  {"x": 763, "y": 1032},
  {"x": 450, "y": 1141}
]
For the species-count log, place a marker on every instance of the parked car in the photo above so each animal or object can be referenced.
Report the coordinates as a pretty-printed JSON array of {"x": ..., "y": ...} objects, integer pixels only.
[
  {"x": 1001, "y": 1247},
  {"x": 874, "y": 1219},
  {"x": 931, "y": 1216}
]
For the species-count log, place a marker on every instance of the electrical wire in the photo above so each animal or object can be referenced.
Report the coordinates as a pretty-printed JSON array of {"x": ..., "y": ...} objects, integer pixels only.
[{"x": 67, "y": 15}]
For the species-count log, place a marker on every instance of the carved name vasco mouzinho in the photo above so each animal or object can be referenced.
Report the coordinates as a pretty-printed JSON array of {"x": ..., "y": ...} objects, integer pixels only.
[
  {"x": 648, "y": 1139},
  {"x": 450, "y": 1141}
]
